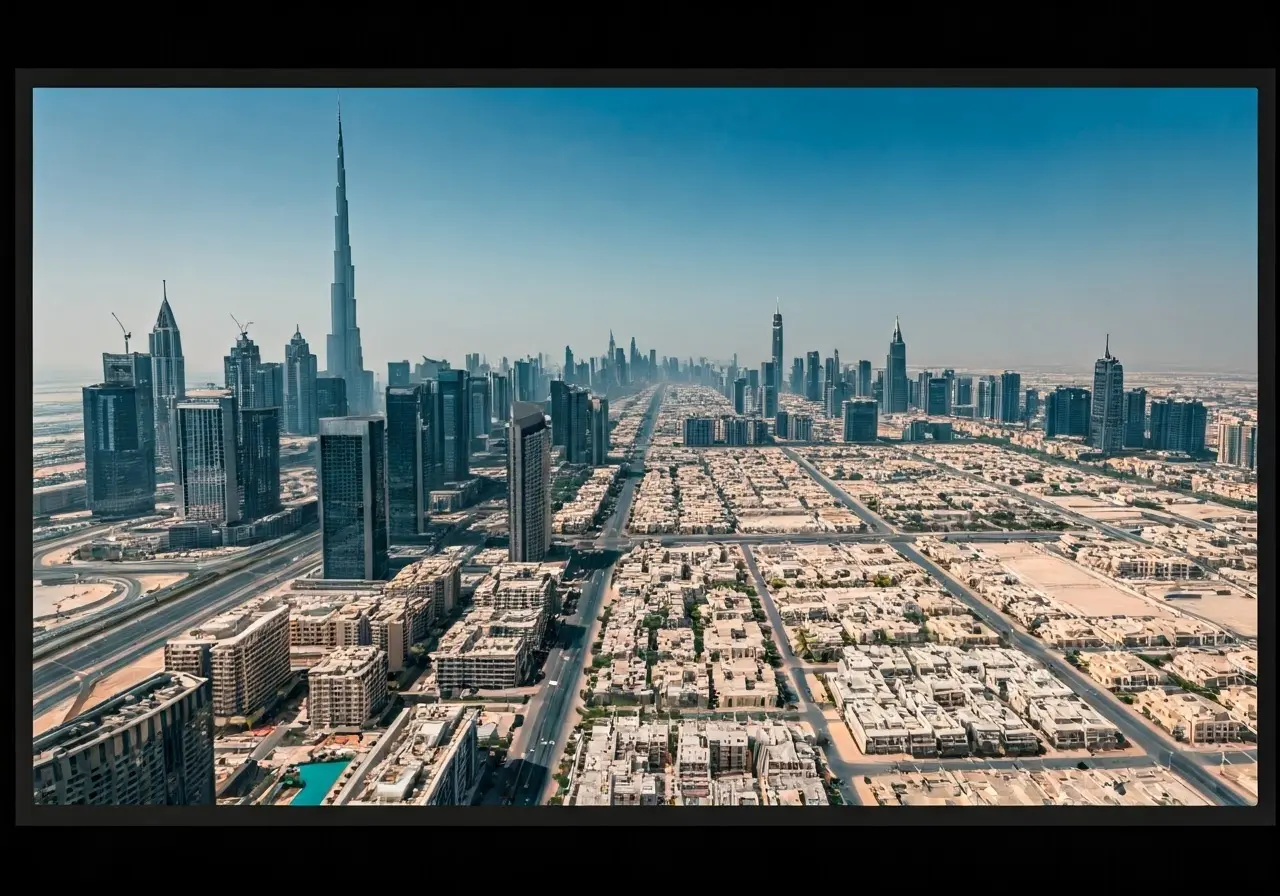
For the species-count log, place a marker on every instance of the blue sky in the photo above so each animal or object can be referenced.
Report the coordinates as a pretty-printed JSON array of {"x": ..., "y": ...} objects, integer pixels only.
[{"x": 1007, "y": 228}]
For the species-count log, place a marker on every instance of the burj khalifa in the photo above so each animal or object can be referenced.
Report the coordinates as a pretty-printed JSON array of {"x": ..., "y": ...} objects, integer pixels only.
[{"x": 344, "y": 356}]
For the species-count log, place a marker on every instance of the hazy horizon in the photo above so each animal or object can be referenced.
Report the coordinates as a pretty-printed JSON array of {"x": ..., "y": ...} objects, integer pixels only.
[{"x": 1006, "y": 228}]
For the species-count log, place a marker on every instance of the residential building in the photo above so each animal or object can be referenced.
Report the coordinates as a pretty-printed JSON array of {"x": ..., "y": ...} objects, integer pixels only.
[{"x": 348, "y": 687}]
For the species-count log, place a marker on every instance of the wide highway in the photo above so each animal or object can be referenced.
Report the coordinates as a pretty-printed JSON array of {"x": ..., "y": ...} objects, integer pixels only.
[
  {"x": 57, "y": 678},
  {"x": 549, "y": 722}
]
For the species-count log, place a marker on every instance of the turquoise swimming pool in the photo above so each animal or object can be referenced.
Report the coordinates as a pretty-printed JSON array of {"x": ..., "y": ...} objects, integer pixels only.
[{"x": 317, "y": 779}]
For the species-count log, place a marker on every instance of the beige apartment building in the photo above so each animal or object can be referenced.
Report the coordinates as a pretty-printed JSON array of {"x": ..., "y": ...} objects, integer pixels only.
[
  {"x": 431, "y": 588},
  {"x": 1122, "y": 672},
  {"x": 348, "y": 687},
  {"x": 244, "y": 653},
  {"x": 391, "y": 632},
  {"x": 331, "y": 621},
  {"x": 468, "y": 657},
  {"x": 520, "y": 586},
  {"x": 1189, "y": 717}
]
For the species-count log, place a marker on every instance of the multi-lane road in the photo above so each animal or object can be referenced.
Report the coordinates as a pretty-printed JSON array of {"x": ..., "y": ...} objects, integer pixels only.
[
  {"x": 548, "y": 721},
  {"x": 58, "y": 677}
]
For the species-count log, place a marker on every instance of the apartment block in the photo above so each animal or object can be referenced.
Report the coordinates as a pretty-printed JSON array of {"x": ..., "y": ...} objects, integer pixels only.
[
  {"x": 244, "y": 653},
  {"x": 431, "y": 589},
  {"x": 348, "y": 687},
  {"x": 151, "y": 745},
  {"x": 427, "y": 757},
  {"x": 469, "y": 657}
]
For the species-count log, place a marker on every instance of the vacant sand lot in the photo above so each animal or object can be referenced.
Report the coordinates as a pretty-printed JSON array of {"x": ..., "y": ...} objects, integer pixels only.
[
  {"x": 47, "y": 600},
  {"x": 147, "y": 584},
  {"x": 1070, "y": 583},
  {"x": 1103, "y": 511},
  {"x": 790, "y": 522},
  {"x": 1206, "y": 512},
  {"x": 1235, "y": 612}
]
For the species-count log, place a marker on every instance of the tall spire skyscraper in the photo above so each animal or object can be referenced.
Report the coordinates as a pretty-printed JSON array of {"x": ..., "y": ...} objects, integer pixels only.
[
  {"x": 168, "y": 376},
  {"x": 777, "y": 348},
  {"x": 344, "y": 357},
  {"x": 1106, "y": 417},
  {"x": 895, "y": 373}
]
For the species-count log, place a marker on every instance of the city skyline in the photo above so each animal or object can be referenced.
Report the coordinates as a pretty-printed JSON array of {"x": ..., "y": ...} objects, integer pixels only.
[{"x": 1191, "y": 204}]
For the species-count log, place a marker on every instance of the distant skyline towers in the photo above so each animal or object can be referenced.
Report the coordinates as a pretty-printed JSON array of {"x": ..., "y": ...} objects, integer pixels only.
[
  {"x": 135, "y": 370},
  {"x": 120, "y": 473},
  {"x": 813, "y": 376},
  {"x": 300, "y": 398},
  {"x": 797, "y": 376},
  {"x": 206, "y": 459},
  {"x": 169, "y": 375},
  {"x": 344, "y": 356},
  {"x": 408, "y": 473},
  {"x": 528, "y": 483},
  {"x": 864, "y": 379},
  {"x": 896, "y": 394},
  {"x": 776, "y": 357},
  {"x": 1106, "y": 416},
  {"x": 1238, "y": 444},
  {"x": 352, "y": 482}
]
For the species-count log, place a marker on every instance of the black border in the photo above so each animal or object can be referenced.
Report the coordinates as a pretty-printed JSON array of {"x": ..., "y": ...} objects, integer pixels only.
[{"x": 26, "y": 80}]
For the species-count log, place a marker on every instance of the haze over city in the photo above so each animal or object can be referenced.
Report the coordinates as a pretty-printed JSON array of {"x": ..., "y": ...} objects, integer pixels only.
[{"x": 1004, "y": 227}]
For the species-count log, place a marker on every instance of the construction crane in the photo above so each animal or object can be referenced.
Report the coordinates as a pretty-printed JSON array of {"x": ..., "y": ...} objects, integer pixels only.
[
  {"x": 244, "y": 328},
  {"x": 127, "y": 334}
]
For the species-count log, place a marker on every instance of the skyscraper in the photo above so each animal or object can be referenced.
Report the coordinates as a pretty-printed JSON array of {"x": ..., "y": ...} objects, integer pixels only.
[
  {"x": 528, "y": 483},
  {"x": 331, "y": 397},
  {"x": 1135, "y": 418},
  {"x": 344, "y": 357},
  {"x": 120, "y": 471},
  {"x": 480, "y": 412},
  {"x": 301, "y": 415},
  {"x": 408, "y": 488},
  {"x": 240, "y": 371},
  {"x": 896, "y": 394},
  {"x": 1178, "y": 426},
  {"x": 134, "y": 369},
  {"x": 269, "y": 385},
  {"x": 935, "y": 404},
  {"x": 777, "y": 349},
  {"x": 577, "y": 435},
  {"x": 813, "y": 376},
  {"x": 860, "y": 420},
  {"x": 1106, "y": 420},
  {"x": 797, "y": 376},
  {"x": 500, "y": 396},
  {"x": 559, "y": 412},
  {"x": 259, "y": 461},
  {"x": 864, "y": 379},
  {"x": 1008, "y": 411},
  {"x": 598, "y": 426},
  {"x": 569, "y": 372},
  {"x": 169, "y": 376},
  {"x": 206, "y": 459},
  {"x": 1067, "y": 412},
  {"x": 1238, "y": 444},
  {"x": 451, "y": 426},
  {"x": 353, "y": 498},
  {"x": 398, "y": 373}
]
